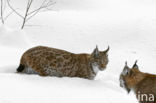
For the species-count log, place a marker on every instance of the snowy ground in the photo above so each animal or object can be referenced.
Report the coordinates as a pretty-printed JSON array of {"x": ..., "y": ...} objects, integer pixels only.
[{"x": 127, "y": 26}]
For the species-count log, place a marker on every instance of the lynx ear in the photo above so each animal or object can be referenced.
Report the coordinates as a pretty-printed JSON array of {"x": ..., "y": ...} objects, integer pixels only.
[
  {"x": 135, "y": 65},
  {"x": 96, "y": 52},
  {"x": 106, "y": 51},
  {"x": 126, "y": 69}
]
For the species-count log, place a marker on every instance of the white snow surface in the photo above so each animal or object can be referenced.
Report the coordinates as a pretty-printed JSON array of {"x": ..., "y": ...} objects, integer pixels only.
[{"x": 127, "y": 26}]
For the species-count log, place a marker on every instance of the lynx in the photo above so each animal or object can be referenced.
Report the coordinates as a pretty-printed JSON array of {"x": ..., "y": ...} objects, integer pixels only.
[
  {"x": 47, "y": 61},
  {"x": 143, "y": 84}
]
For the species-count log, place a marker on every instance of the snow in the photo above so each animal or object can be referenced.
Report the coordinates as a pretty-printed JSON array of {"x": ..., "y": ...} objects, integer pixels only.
[
  {"x": 127, "y": 26},
  {"x": 8, "y": 37}
]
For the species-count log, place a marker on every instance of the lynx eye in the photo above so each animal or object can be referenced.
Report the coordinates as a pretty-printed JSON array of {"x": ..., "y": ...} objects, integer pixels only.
[{"x": 127, "y": 73}]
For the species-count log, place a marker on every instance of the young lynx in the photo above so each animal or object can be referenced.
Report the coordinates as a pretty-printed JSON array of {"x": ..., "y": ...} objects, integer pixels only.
[
  {"x": 143, "y": 84},
  {"x": 47, "y": 61}
]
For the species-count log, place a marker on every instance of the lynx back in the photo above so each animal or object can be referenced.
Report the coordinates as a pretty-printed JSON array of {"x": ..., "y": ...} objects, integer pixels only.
[{"x": 47, "y": 61}]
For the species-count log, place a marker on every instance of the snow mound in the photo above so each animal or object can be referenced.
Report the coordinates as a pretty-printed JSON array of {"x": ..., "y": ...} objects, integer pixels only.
[
  {"x": 8, "y": 69},
  {"x": 33, "y": 88},
  {"x": 14, "y": 38}
]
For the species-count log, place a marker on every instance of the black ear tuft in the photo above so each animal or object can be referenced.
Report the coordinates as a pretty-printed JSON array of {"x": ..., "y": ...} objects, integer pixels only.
[
  {"x": 125, "y": 63},
  {"x": 126, "y": 69},
  {"x": 106, "y": 51},
  {"x": 96, "y": 52},
  {"x": 135, "y": 65}
]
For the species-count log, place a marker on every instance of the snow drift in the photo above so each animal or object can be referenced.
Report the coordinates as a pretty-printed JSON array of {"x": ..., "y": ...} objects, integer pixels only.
[{"x": 127, "y": 26}]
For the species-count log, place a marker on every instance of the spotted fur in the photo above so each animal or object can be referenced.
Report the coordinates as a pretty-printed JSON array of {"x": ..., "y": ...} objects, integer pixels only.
[{"x": 47, "y": 61}]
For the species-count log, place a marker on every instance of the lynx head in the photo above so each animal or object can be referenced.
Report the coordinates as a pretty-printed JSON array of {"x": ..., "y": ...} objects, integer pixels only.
[
  {"x": 127, "y": 76},
  {"x": 99, "y": 59}
]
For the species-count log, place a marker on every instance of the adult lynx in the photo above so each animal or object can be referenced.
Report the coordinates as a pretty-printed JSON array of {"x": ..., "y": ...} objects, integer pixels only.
[
  {"x": 47, "y": 61},
  {"x": 143, "y": 84}
]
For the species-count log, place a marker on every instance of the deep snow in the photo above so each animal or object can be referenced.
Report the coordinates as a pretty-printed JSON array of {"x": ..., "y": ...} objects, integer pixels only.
[{"x": 127, "y": 26}]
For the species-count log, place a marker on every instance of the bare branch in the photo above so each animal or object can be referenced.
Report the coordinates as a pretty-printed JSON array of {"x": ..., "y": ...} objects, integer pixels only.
[
  {"x": 8, "y": 15},
  {"x": 43, "y": 5},
  {"x": 26, "y": 13},
  {"x": 2, "y": 12},
  {"x": 38, "y": 8},
  {"x": 29, "y": 14},
  {"x": 29, "y": 4},
  {"x": 32, "y": 15},
  {"x": 8, "y": 1}
]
